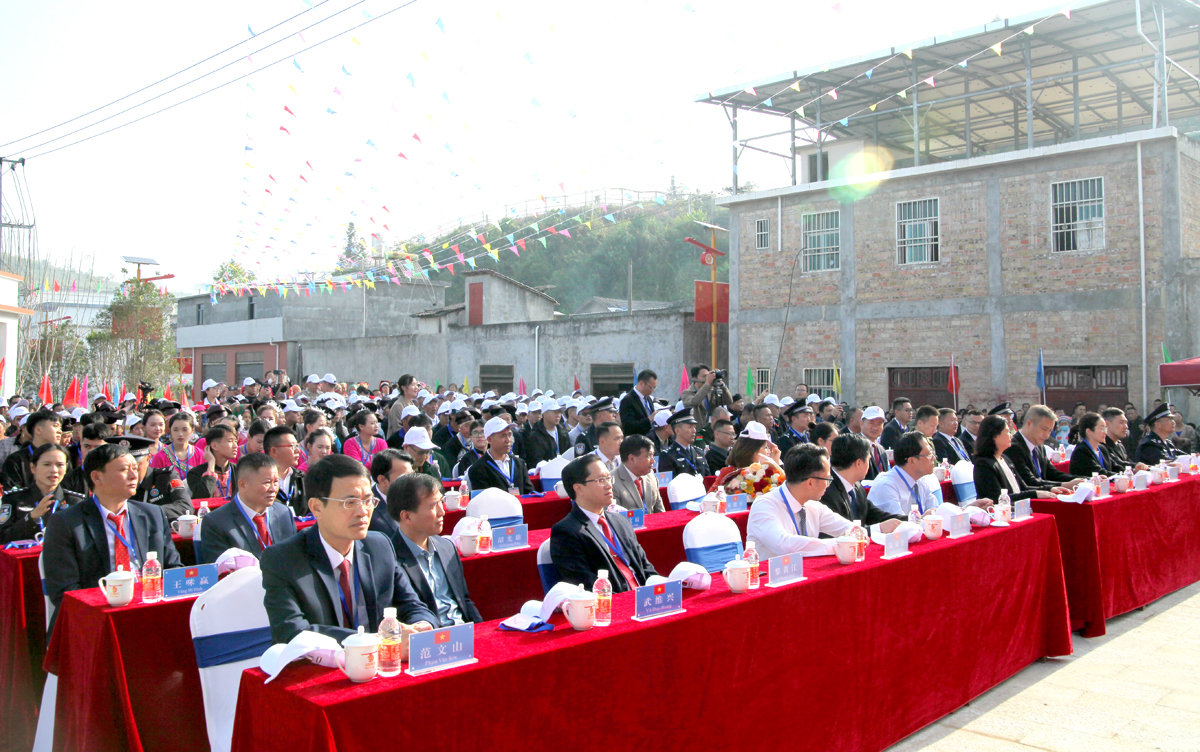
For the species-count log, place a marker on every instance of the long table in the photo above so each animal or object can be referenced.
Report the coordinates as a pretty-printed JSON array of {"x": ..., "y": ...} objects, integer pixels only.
[{"x": 854, "y": 658}]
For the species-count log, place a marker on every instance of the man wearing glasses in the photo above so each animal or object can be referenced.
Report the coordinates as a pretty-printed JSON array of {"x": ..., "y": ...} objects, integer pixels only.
[
  {"x": 724, "y": 434},
  {"x": 789, "y": 519},
  {"x": 897, "y": 491},
  {"x": 336, "y": 576},
  {"x": 591, "y": 538}
]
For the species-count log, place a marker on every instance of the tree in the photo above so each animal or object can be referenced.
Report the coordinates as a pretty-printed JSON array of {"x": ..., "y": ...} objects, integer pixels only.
[
  {"x": 355, "y": 251},
  {"x": 232, "y": 272},
  {"x": 133, "y": 340}
]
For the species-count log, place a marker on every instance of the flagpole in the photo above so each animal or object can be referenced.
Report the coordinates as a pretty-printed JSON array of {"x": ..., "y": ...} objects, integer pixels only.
[{"x": 1042, "y": 366}]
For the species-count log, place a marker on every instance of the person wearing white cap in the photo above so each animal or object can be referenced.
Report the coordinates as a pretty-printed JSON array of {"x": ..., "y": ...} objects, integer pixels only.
[
  {"x": 420, "y": 447},
  {"x": 546, "y": 439},
  {"x": 872, "y": 427},
  {"x": 327, "y": 384},
  {"x": 498, "y": 467},
  {"x": 211, "y": 389},
  {"x": 662, "y": 433},
  {"x": 250, "y": 388},
  {"x": 311, "y": 387}
]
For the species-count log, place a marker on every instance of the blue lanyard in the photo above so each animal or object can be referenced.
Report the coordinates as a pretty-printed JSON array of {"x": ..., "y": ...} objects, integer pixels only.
[
  {"x": 366, "y": 456},
  {"x": 223, "y": 491},
  {"x": 788, "y": 506},
  {"x": 512, "y": 469},
  {"x": 42, "y": 519},
  {"x": 342, "y": 594},
  {"x": 684, "y": 458},
  {"x": 614, "y": 543},
  {"x": 237, "y": 500},
  {"x": 130, "y": 547},
  {"x": 182, "y": 467},
  {"x": 799, "y": 436}
]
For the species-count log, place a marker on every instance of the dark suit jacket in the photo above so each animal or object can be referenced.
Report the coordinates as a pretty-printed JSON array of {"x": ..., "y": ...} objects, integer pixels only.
[
  {"x": 860, "y": 508},
  {"x": 451, "y": 564},
  {"x": 483, "y": 475},
  {"x": 634, "y": 418},
  {"x": 891, "y": 434},
  {"x": 540, "y": 445},
  {"x": 946, "y": 451},
  {"x": 15, "y": 472},
  {"x": 296, "y": 499},
  {"x": 965, "y": 437},
  {"x": 381, "y": 521},
  {"x": 716, "y": 457},
  {"x": 205, "y": 486},
  {"x": 226, "y": 527},
  {"x": 1084, "y": 462},
  {"x": 302, "y": 592},
  {"x": 1116, "y": 452},
  {"x": 989, "y": 480},
  {"x": 1021, "y": 460},
  {"x": 578, "y": 550},
  {"x": 75, "y": 551}
]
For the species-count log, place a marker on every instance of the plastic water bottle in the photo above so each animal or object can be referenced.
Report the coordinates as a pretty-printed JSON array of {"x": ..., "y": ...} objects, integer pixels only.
[
  {"x": 390, "y": 638},
  {"x": 603, "y": 592},
  {"x": 485, "y": 535},
  {"x": 204, "y": 510},
  {"x": 152, "y": 585},
  {"x": 1004, "y": 497},
  {"x": 751, "y": 558},
  {"x": 861, "y": 536}
]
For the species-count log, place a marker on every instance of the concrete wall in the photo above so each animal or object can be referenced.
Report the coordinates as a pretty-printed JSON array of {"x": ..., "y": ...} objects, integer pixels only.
[
  {"x": 373, "y": 359},
  {"x": 504, "y": 302}
]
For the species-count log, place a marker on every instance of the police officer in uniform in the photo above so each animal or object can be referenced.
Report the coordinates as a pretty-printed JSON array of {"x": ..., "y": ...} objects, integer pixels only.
[
  {"x": 796, "y": 420},
  {"x": 23, "y": 511},
  {"x": 1004, "y": 410},
  {"x": 602, "y": 411},
  {"x": 681, "y": 455},
  {"x": 1156, "y": 445},
  {"x": 160, "y": 486}
]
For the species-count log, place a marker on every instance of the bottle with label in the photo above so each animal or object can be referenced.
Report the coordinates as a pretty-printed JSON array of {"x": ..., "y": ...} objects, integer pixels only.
[
  {"x": 863, "y": 539},
  {"x": 1004, "y": 499},
  {"x": 485, "y": 535},
  {"x": 602, "y": 588},
  {"x": 152, "y": 584},
  {"x": 200, "y": 515},
  {"x": 390, "y": 643},
  {"x": 751, "y": 558}
]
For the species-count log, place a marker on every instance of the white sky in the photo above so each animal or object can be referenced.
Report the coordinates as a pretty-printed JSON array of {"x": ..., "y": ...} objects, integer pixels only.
[{"x": 614, "y": 85}]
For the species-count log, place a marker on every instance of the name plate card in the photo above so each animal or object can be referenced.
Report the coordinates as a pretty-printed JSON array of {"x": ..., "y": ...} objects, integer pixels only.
[
  {"x": 654, "y": 601},
  {"x": 959, "y": 525},
  {"x": 187, "y": 582},
  {"x": 441, "y": 649},
  {"x": 1022, "y": 510},
  {"x": 637, "y": 518},
  {"x": 786, "y": 569},
  {"x": 736, "y": 503},
  {"x": 508, "y": 538},
  {"x": 664, "y": 478},
  {"x": 895, "y": 544}
]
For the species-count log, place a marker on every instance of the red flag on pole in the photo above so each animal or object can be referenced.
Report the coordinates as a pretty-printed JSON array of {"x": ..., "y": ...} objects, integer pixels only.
[
  {"x": 683, "y": 380},
  {"x": 44, "y": 390},
  {"x": 576, "y": 382},
  {"x": 104, "y": 390},
  {"x": 520, "y": 386},
  {"x": 2, "y": 360},
  {"x": 952, "y": 382},
  {"x": 72, "y": 397},
  {"x": 167, "y": 394},
  {"x": 84, "y": 401},
  {"x": 183, "y": 393}
]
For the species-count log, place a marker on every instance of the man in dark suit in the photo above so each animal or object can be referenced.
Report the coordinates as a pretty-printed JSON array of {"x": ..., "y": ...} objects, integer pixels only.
[
  {"x": 252, "y": 520},
  {"x": 589, "y": 538},
  {"x": 498, "y": 467},
  {"x": 337, "y": 576},
  {"x": 945, "y": 440},
  {"x": 547, "y": 438},
  {"x": 723, "y": 436},
  {"x": 850, "y": 460},
  {"x": 386, "y": 467},
  {"x": 431, "y": 562},
  {"x": 280, "y": 444},
  {"x": 637, "y": 406},
  {"x": 1026, "y": 454},
  {"x": 1118, "y": 431},
  {"x": 902, "y": 413},
  {"x": 970, "y": 429},
  {"x": 91, "y": 539}
]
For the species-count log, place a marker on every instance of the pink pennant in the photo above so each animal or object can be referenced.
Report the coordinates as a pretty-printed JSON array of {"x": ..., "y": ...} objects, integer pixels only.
[
  {"x": 285, "y": 109},
  {"x": 418, "y": 138},
  {"x": 566, "y": 233},
  {"x": 285, "y": 130}
]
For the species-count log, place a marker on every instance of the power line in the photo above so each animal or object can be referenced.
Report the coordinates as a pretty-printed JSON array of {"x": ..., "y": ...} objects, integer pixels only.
[
  {"x": 156, "y": 83},
  {"x": 194, "y": 80}
]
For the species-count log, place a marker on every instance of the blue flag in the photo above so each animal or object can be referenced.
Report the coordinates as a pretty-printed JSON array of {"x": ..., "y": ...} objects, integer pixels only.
[{"x": 1041, "y": 373}]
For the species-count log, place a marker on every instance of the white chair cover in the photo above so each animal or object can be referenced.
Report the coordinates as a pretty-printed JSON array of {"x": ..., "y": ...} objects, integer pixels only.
[
  {"x": 684, "y": 488},
  {"x": 712, "y": 540},
  {"x": 501, "y": 507}
]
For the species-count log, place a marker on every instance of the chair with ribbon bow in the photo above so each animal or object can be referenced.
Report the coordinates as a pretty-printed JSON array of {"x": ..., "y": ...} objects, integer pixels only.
[
  {"x": 502, "y": 508},
  {"x": 712, "y": 540},
  {"x": 230, "y": 632}
]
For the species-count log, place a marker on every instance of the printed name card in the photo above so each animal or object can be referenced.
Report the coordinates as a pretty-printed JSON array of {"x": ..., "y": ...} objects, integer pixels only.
[
  {"x": 1022, "y": 510},
  {"x": 441, "y": 649},
  {"x": 785, "y": 569},
  {"x": 664, "y": 478},
  {"x": 895, "y": 544},
  {"x": 654, "y": 601},
  {"x": 959, "y": 525},
  {"x": 508, "y": 538},
  {"x": 637, "y": 518},
  {"x": 736, "y": 503},
  {"x": 186, "y": 582}
]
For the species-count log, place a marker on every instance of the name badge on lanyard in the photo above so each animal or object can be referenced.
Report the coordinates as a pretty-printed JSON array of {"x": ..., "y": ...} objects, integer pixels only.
[{"x": 510, "y": 476}]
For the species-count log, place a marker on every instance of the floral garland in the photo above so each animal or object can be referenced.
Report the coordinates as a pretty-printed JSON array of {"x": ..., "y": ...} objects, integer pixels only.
[{"x": 756, "y": 479}]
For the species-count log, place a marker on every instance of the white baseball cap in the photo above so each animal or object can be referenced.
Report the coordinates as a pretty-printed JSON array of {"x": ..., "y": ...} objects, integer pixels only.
[
  {"x": 661, "y": 417},
  {"x": 208, "y": 384},
  {"x": 419, "y": 438},
  {"x": 290, "y": 406},
  {"x": 248, "y": 381},
  {"x": 873, "y": 412},
  {"x": 422, "y": 394},
  {"x": 771, "y": 399},
  {"x": 329, "y": 378},
  {"x": 495, "y": 425},
  {"x": 18, "y": 411},
  {"x": 313, "y": 379},
  {"x": 409, "y": 410},
  {"x": 133, "y": 420},
  {"x": 548, "y": 405},
  {"x": 786, "y": 401},
  {"x": 755, "y": 430},
  {"x": 522, "y": 409},
  {"x": 445, "y": 407},
  {"x": 549, "y": 393},
  {"x": 810, "y": 399}
]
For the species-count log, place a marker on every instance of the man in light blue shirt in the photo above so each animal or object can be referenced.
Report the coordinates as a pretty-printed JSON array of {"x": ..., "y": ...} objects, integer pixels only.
[
  {"x": 898, "y": 490},
  {"x": 432, "y": 563}
]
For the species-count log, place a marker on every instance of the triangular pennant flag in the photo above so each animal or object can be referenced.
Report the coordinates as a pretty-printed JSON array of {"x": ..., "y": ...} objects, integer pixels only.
[
  {"x": 872, "y": 107},
  {"x": 610, "y": 218},
  {"x": 833, "y": 93},
  {"x": 996, "y": 47},
  {"x": 929, "y": 81},
  {"x": 543, "y": 242},
  {"x": 903, "y": 94},
  {"x": 521, "y": 243},
  {"x": 909, "y": 53},
  {"x": 566, "y": 233},
  {"x": 1029, "y": 30},
  {"x": 795, "y": 86},
  {"x": 844, "y": 121},
  {"x": 963, "y": 64}
]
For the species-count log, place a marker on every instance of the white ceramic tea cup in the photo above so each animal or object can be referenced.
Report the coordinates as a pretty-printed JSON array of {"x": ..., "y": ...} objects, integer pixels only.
[
  {"x": 185, "y": 525},
  {"x": 846, "y": 549},
  {"x": 359, "y": 658},
  {"x": 118, "y": 587},
  {"x": 737, "y": 575},
  {"x": 1122, "y": 484},
  {"x": 932, "y": 526},
  {"x": 580, "y": 610},
  {"x": 451, "y": 500},
  {"x": 560, "y": 489},
  {"x": 468, "y": 544}
]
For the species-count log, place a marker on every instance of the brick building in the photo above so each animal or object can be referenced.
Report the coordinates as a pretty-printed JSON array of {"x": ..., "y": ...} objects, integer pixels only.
[{"x": 1046, "y": 199}]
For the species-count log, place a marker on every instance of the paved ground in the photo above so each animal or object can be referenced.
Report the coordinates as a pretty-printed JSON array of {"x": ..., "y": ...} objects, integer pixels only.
[{"x": 1136, "y": 688}]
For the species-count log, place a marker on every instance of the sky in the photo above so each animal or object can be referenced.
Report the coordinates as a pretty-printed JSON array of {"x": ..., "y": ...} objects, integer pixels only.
[{"x": 425, "y": 115}]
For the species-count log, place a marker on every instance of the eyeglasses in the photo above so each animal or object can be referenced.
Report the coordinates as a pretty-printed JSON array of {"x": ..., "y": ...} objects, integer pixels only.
[
  {"x": 352, "y": 503},
  {"x": 824, "y": 480},
  {"x": 602, "y": 481}
]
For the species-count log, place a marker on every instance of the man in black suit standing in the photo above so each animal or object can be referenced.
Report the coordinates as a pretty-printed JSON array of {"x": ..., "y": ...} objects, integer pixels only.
[
  {"x": 431, "y": 562},
  {"x": 93, "y": 538},
  {"x": 252, "y": 520},
  {"x": 589, "y": 538},
  {"x": 337, "y": 576},
  {"x": 1026, "y": 454},
  {"x": 902, "y": 413},
  {"x": 850, "y": 461},
  {"x": 637, "y": 406}
]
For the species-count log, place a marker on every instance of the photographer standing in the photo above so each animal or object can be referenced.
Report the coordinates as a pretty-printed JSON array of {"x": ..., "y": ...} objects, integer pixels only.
[{"x": 707, "y": 392}]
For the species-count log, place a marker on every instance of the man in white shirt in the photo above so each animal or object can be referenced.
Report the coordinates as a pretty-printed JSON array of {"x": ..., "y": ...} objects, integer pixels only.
[
  {"x": 897, "y": 490},
  {"x": 608, "y": 448},
  {"x": 789, "y": 519}
]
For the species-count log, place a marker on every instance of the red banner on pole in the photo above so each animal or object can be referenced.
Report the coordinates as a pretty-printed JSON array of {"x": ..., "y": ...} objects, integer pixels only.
[{"x": 706, "y": 307}]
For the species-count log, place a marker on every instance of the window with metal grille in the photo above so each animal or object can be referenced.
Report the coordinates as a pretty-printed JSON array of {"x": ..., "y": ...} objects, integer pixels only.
[
  {"x": 762, "y": 234},
  {"x": 497, "y": 378},
  {"x": 917, "y": 231},
  {"x": 762, "y": 381},
  {"x": 610, "y": 379},
  {"x": 248, "y": 365},
  {"x": 820, "y": 381},
  {"x": 822, "y": 241},
  {"x": 212, "y": 366},
  {"x": 1077, "y": 215}
]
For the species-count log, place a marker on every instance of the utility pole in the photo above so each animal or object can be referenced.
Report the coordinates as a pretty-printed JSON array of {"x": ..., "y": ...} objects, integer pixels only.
[{"x": 3, "y": 224}]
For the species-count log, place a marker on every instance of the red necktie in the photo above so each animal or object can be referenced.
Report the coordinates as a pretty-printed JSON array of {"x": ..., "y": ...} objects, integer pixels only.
[
  {"x": 622, "y": 567},
  {"x": 264, "y": 535},
  {"x": 641, "y": 491},
  {"x": 347, "y": 593},
  {"x": 120, "y": 553}
]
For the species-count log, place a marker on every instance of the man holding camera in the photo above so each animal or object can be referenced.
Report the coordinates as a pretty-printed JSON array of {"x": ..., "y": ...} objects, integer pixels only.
[{"x": 707, "y": 392}]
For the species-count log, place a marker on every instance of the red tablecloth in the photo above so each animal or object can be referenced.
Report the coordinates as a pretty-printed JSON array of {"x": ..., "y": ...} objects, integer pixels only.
[
  {"x": 22, "y": 644},
  {"x": 127, "y": 677},
  {"x": 856, "y": 658},
  {"x": 1127, "y": 550}
]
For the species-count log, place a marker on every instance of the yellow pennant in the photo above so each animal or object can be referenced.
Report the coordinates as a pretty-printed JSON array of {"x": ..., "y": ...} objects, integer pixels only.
[
  {"x": 909, "y": 53},
  {"x": 996, "y": 47},
  {"x": 293, "y": 88}
]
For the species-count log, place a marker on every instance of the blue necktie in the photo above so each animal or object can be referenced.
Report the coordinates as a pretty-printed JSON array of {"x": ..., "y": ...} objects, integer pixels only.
[{"x": 1037, "y": 466}]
